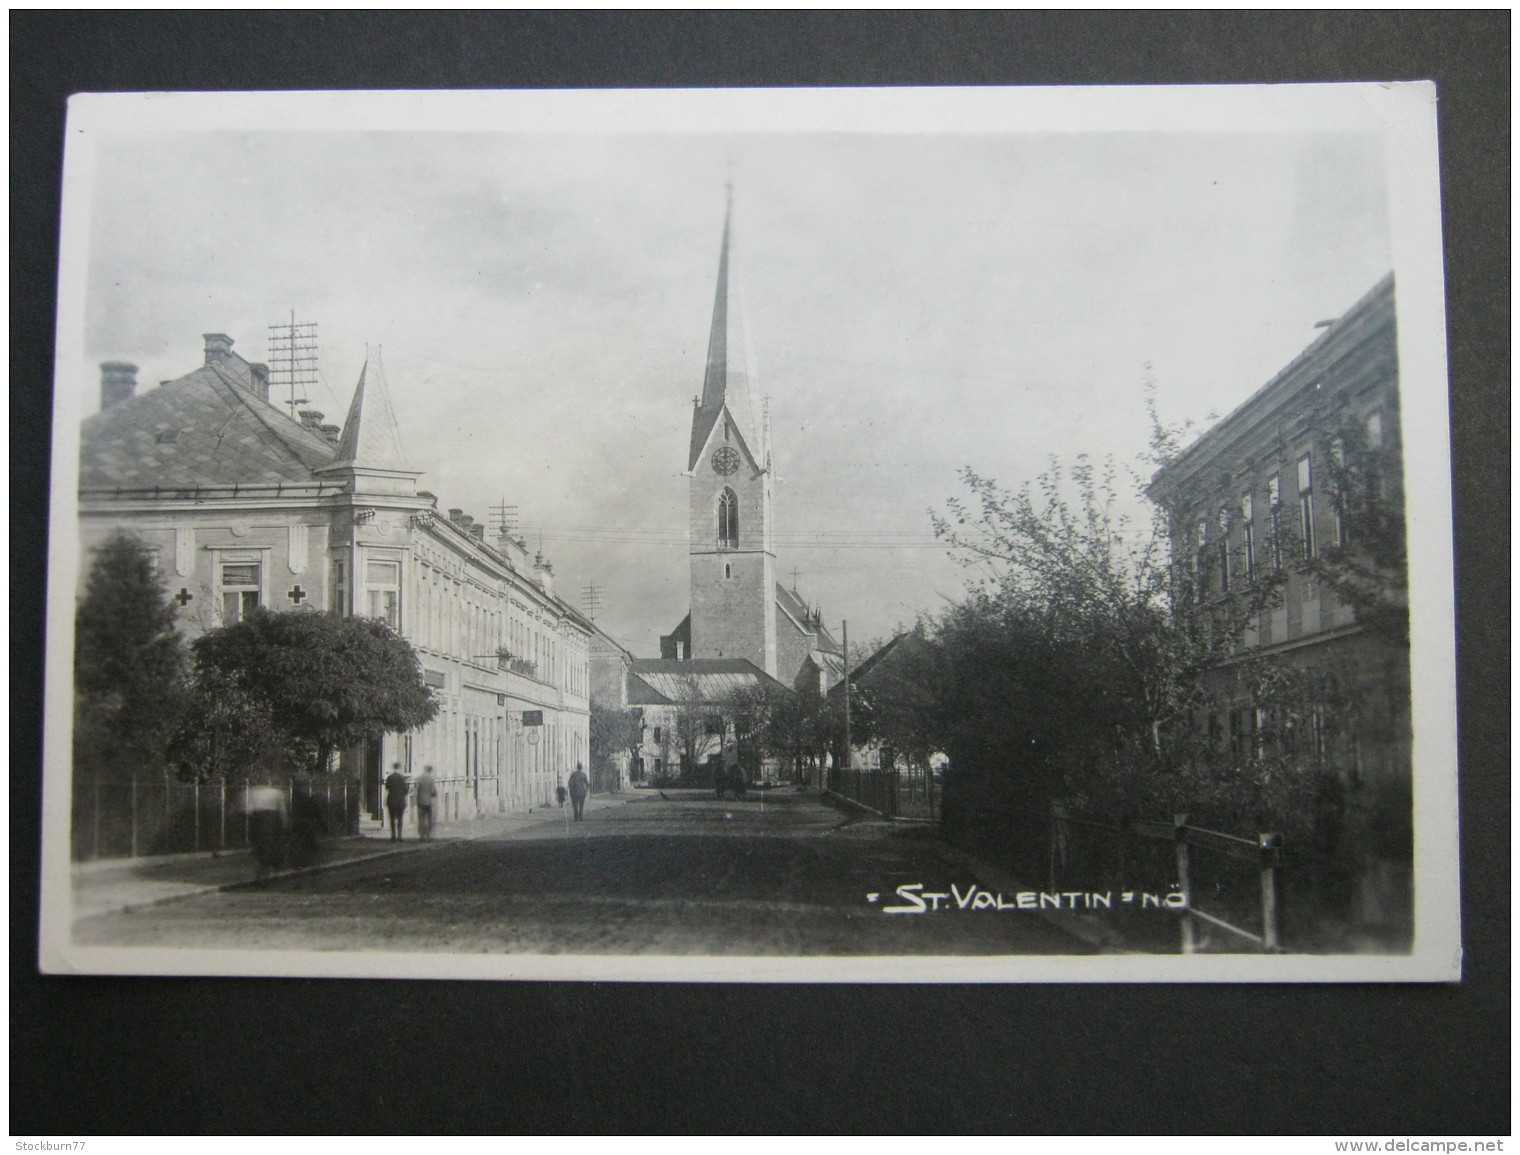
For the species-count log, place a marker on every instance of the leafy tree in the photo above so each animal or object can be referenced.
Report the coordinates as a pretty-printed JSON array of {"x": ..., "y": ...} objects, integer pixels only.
[
  {"x": 129, "y": 664},
  {"x": 327, "y": 681},
  {"x": 227, "y": 731},
  {"x": 896, "y": 700},
  {"x": 612, "y": 731},
  {"x": 761, "y": 722},
  {"x": 1085, "y": 645}
]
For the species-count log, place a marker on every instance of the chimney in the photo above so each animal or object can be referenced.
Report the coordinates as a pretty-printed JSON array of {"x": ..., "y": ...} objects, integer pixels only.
[
  {"x": 466, "y": 522},
  {"x": 218, "y": 347},
  {"x": 543, "y": 574},
  {"x": 455, "y": 514},
  {"x": 478, "y": 532},
  {"x": 118, "y": 381},
  {"x": 260, "y": 381},
  {"x": 311, "y": 419},
  {"x": 330, "y": 432}
]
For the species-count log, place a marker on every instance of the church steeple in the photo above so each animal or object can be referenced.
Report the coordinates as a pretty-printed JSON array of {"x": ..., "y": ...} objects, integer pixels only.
[
  {"x": 730, "y": 369},
  {"x": 733, "y": 583}
]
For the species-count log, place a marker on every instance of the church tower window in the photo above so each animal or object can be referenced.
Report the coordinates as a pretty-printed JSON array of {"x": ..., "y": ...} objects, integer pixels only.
[{"x": 728, "y": 518}]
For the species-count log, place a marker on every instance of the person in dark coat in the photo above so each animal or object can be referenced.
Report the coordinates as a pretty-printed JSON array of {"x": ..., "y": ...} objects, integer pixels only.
[
  {"x": 396, "y": 786},
  {"x": 268, "y": 826},
  {"x": 580, "y": 786}
]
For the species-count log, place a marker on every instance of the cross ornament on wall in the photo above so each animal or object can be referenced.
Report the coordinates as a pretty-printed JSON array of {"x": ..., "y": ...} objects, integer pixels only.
[
  {"x": 297, "y": 594},
  {"x": 184, "y": 597}
]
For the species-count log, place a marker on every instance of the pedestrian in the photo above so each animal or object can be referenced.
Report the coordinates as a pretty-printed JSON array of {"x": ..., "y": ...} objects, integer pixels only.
[
  {"x": 396, "y": 786},
  {"x": 427, "y": 798},
  {"x": 268, "y": 823},
  {"x": 560, "y": 793},
  {"x": 580, "y": 786}
]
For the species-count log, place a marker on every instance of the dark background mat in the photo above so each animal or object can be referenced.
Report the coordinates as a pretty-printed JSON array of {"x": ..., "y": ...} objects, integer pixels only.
[{"x": 106, "y": 1055}]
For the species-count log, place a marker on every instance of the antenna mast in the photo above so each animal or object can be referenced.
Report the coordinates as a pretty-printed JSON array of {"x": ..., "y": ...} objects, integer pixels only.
[
  {"x": 591, "y": 595},
  {"x": 293, "y": 360},
  {"x": 505, "y": 517}
]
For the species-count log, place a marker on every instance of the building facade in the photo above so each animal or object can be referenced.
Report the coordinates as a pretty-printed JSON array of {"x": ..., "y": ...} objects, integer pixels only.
[
  {"x": 1302, "y": 487},
  {"x": 243, "y": 506}
]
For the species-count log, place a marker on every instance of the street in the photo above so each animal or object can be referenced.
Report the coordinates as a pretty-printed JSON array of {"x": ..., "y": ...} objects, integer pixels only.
[{"x": 779, "y": 873}]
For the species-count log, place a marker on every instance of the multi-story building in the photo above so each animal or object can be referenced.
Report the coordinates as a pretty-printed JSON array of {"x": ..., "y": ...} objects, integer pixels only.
[
  {"x": 1300, "y": 491},
  {"x": 245, "y": 506}
]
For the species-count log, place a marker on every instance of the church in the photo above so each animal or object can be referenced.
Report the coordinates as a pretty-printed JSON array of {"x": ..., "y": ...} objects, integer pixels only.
[
  {"x": 738, "y": 608},
  {"x": 744, "y": 630}
]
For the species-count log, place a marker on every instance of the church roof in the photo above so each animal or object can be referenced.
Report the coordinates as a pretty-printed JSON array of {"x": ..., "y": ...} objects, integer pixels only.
[
  {"x": 664, "y": 682},
  {"x": 792, "y": 605},
  {"x": 208, "y": 428},
  {"x": 730, "y": 369}
]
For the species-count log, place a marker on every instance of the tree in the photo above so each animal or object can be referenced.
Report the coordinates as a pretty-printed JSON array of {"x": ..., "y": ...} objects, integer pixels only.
[
  {"x": 129, "y": 664},
  {"x": 1085, "y": 645},
  {"x": 227, "y": 732},
  {"x": 612, "y": 731},
  {"x": 759, "y": 718},
  {"x": 327, "y": 681}
]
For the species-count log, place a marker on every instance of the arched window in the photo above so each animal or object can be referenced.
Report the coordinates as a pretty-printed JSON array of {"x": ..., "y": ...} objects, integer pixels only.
[{"x": 728, "y": 518}]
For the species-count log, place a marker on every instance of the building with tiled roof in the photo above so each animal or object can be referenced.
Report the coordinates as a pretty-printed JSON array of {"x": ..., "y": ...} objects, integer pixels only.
[{"x": 243, "y": 505}]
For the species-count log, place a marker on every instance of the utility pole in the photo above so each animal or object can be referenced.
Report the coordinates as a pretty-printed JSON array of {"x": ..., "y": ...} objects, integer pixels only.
[
  {"x": 506, "y": 520},
  {"x": 592, "y": 597},
  {"x": 293, "y": 360}
]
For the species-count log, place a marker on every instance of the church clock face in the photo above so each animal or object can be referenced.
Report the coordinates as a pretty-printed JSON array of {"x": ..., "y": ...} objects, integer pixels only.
[{"x": 725, "y": 461}]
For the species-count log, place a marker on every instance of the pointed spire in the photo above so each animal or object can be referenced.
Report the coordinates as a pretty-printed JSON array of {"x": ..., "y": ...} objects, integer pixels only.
[
  {"x": 371, "y": 440},
  {"x": 730, "y": 359}
]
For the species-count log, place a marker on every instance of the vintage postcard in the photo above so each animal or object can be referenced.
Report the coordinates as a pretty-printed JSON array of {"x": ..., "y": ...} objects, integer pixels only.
[{"x": 793, "y": 535}]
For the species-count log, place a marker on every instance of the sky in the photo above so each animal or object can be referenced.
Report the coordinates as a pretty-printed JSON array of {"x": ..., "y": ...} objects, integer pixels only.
[{"x": 918, "y": 303}]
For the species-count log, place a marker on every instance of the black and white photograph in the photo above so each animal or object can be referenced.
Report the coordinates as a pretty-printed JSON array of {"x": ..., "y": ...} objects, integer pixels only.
[{"x": 783, "y": 536}]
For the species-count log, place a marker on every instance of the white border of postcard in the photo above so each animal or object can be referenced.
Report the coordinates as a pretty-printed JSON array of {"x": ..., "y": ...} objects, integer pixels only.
[{"x": 1405, "y": 116}]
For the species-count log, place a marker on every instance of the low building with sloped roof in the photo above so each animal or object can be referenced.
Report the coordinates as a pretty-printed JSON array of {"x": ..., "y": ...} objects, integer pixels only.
[{"x": 243, "y": 505}]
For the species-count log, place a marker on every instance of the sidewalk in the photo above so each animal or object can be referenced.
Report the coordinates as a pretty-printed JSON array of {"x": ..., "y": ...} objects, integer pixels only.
[{"x": 122, "y": 884}]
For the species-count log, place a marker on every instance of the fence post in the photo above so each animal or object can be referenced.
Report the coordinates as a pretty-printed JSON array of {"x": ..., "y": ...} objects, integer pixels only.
[
  {"x": 1271, "y": 891},
  {"x": 346, "y": 830},
  {"x": 221, "y": 815},
  {"x": 195, "y": 798},
  {"x": 97, "y": 817},
  {"x": 134, "y": 815},
  {"x": 246, "y": 838},
  {"x": 1184, "y": 881}
]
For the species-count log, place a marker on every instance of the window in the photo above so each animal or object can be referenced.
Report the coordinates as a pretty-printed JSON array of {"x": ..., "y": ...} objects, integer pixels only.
[
  {"x": 1306, "y": 506},
  {"x": 1375, "y": 431},
  {"x": 1338, "y": 497},
  {"x": 657, "y": 735},
  {"x": 1222, "y": 550},
  {"x": 240, "y": 586},
  {"x": 1274, "y": 511},
  {"x": 728, "y": 570},
  {"x": 382, "y": 587},
  {"x": 1248, "y": 538},
  {"x": 728, "y": 518},
  {"x": 340, "y": 587}
]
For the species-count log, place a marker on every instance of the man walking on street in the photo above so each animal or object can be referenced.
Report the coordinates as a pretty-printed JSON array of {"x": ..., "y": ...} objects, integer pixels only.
[
  {"x": 580, "y": 786},
  {"x": 427, "y": 797},
  {"x": 396, "y": 786}
]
